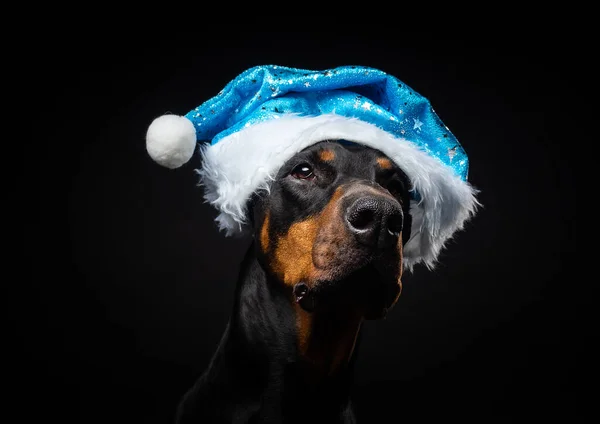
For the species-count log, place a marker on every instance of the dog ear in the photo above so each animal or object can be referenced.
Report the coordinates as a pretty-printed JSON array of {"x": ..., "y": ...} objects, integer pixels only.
[
  {"x": 255, "y": 206},
  {"x": 251, "y": 205},
  {"x": 406, "y": 227},
  {"x": 407, "y": 188}
]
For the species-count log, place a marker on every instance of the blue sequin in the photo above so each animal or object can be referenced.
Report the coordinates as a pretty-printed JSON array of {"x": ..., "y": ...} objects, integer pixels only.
[{"x": 264, "y": 92}]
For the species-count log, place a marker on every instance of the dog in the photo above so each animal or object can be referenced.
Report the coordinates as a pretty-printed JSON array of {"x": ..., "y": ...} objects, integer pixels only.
[{"x": 326, "y": 254}]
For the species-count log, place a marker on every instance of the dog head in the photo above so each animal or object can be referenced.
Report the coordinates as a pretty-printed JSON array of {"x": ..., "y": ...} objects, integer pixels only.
[{"x": 335, "y": 220}]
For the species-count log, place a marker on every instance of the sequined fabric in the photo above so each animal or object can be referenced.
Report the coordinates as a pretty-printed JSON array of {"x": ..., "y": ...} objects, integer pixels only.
[{"x": 267, "y": 92}]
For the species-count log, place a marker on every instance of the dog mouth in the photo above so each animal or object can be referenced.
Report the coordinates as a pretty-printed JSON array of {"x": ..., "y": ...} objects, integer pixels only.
[{"x": 373, "y": 289}]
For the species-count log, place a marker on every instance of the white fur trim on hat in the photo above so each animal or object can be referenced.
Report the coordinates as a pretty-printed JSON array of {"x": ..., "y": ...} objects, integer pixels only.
[{"x": 246, "y": 161}]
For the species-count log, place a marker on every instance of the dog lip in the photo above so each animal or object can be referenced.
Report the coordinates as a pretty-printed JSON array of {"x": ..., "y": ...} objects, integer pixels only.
[
  {"x": 304, "y": 297},
  {"x": 300, "y": 290}
]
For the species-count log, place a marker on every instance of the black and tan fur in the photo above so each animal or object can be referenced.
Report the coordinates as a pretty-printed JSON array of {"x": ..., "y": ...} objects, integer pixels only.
[{"x": 326, "y": 255}]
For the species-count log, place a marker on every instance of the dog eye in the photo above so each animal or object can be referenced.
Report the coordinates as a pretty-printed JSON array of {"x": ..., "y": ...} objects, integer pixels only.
[{"x": 303, "y": 172}]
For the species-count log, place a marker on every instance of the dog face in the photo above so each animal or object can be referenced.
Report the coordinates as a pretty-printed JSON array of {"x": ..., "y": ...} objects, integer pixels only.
[{"x": 335, "y": 221}]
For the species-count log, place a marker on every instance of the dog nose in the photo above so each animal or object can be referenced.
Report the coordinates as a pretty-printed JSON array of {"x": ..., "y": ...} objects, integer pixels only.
[{"x": 376, "y": 221}]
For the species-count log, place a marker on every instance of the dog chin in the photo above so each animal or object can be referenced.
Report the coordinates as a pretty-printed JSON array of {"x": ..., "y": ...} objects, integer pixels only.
[
  {"x": 378, "y": 289},
  {"x": 371, "y": 289}
]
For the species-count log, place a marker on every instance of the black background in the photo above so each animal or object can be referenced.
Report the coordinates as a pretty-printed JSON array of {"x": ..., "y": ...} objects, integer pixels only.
[{"x": 127, "y": 284}]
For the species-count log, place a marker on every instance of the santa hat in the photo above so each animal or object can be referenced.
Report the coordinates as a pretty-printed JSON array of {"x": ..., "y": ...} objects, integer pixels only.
[{"x": 267, "y": 114}]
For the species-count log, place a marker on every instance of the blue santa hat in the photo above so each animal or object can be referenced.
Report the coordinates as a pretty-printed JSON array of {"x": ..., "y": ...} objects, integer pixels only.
[{"x": 267, "y": 114}]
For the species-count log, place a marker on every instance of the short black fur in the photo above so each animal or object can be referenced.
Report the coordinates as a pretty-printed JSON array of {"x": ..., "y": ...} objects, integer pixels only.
[{"x": 256, "y": 375}]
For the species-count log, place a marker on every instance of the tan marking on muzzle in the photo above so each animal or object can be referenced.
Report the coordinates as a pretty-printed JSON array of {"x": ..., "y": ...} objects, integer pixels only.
[
  {"x": 293, "y": 256},
  {"x": 304, "y": 254}
]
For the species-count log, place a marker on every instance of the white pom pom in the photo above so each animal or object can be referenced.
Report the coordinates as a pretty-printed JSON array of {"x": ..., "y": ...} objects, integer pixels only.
[{"x": 171, "y": 140}]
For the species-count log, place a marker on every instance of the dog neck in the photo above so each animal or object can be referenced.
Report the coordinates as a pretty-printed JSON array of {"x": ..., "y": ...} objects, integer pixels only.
[
  {"x": 273, "y": 347},
  {"x": 326, "y": 337},
  {"x": 320, "y": 342}
]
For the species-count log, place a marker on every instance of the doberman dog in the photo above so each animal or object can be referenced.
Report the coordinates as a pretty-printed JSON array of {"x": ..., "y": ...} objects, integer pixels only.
[{"x": 326, "y": 254}]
